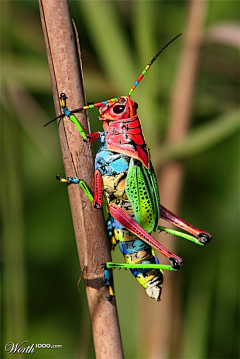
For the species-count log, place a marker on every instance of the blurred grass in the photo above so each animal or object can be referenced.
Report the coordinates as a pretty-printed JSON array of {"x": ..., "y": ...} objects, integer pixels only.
[
  {"x": 13, "y": 233},
  {"x": 40, "y": 267}
]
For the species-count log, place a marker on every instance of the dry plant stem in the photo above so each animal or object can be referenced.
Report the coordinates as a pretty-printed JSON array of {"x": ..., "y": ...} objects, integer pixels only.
[
  {"x": 180, "y": 117},
  {"x": 168, "y": 317},
  {"x": 182, "y": 100},
  {"x": 92, "y": 243}
]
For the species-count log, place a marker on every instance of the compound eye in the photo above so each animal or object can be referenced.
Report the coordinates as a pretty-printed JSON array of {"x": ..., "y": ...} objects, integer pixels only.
[
  {"x": 135, "y": 105},
  {"x": 118, "y": 108}
]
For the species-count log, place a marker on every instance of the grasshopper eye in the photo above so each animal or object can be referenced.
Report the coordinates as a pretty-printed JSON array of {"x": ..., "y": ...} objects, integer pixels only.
[{"x": 118, "y": 108}]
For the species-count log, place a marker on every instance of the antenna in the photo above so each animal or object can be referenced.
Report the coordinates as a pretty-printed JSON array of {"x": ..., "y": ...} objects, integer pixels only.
[
  {"x": 115, "y": 99},
  {"x": 149, "y": 64}
]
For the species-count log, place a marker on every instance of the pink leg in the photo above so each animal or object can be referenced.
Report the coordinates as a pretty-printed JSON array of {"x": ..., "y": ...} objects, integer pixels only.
[
  {"x": 128, "y": 222},
  {"x": 203, "y": 237}
]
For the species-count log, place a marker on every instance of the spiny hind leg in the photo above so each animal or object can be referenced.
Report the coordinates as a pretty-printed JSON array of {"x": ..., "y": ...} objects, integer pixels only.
[
  {"x": 129, "y": 223},
  {"x": 202, "y": 236}
]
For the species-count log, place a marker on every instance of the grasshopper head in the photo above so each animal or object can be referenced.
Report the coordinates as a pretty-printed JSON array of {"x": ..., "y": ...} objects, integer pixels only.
[{"x": 118, "y": 110}]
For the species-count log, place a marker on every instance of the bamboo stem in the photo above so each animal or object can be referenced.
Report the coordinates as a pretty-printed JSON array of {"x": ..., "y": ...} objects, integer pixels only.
[{"x": 92, "y": 243}]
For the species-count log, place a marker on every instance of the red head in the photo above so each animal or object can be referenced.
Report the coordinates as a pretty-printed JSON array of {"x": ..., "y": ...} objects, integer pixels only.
[{"x": 123, "y": 108}]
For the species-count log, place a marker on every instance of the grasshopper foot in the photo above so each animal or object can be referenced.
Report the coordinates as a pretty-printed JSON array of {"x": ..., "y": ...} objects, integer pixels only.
[
  {"x": 176, "y": 264},
  {"x": 204, "y": 237}
]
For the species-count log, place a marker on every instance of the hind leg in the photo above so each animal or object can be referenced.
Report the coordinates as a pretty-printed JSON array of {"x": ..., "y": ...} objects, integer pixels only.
[{"x": 201, "y": 236}]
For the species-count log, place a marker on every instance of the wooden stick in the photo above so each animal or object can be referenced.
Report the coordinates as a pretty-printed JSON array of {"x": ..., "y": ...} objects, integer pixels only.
[{"x": 90, "y": 231}]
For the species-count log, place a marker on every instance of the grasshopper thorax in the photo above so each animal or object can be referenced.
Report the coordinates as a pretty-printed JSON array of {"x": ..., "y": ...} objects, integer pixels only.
[{"x": 122, "y": 109}]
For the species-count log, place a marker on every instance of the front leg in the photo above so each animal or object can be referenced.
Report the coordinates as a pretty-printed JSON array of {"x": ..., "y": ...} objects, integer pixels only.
[{"x": 95, "y": 136}]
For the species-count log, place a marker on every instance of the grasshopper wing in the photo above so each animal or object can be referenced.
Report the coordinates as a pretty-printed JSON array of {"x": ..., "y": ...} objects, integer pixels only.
[{"x": 142, "y": 192}]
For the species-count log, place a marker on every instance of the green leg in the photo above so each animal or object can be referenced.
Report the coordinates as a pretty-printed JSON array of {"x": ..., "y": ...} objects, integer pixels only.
[
  {"x": 77, "y": 181},
  {"x": 111, "y": 265},
  {"x": 180, "y": 234}
]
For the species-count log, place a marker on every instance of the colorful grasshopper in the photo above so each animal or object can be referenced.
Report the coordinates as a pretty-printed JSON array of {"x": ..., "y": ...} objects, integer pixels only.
[{"x": 125, "y": 178}]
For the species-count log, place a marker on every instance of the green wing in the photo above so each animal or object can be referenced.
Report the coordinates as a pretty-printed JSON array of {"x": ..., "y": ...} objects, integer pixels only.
[{"x": 142, "y": 192}]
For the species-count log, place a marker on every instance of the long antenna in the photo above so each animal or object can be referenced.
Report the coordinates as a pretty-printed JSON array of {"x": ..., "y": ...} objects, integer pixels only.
[
  {"x": 99, "y": 104},
  {"x": 149, "y": 64}
]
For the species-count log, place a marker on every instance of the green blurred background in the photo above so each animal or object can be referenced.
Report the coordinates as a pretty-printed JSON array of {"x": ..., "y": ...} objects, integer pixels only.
[{"x": 40, "y": 270}]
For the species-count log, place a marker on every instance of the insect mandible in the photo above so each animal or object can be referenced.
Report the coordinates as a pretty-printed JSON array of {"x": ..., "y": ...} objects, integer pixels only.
[{"x": 125, "y": 179}]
